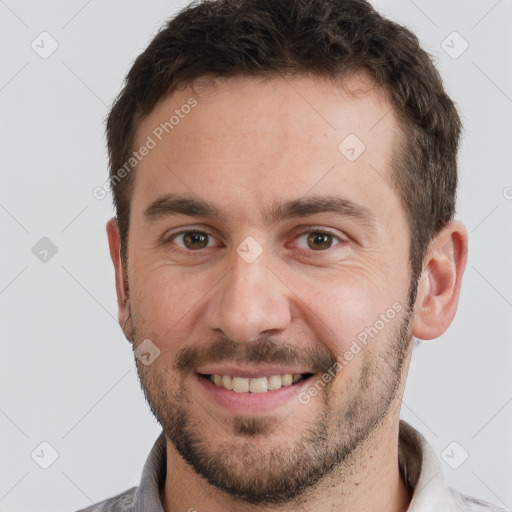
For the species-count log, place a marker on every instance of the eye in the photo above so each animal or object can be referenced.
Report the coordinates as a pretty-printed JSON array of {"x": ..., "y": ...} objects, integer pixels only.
[
  {"x": 193, "y": 240},
  {"x": 317, "y": 240}
]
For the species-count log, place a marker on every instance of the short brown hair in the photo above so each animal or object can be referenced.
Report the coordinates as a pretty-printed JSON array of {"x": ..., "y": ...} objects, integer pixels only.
[{"x": 328, "y": 38}]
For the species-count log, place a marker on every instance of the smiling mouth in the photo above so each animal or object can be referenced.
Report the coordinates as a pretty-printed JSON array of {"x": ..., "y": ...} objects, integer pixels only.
[{"x": 255, "y": 385}]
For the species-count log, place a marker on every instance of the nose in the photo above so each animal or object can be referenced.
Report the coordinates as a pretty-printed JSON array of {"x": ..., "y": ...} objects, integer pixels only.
[{"x": 251, "y": 302}]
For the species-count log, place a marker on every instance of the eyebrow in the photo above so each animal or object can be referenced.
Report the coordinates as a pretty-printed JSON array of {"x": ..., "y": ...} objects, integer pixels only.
[{"x": 173, "y": 204}]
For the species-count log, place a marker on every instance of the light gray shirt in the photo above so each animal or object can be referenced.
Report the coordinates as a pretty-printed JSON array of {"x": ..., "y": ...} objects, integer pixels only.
[{"x": 418, "y": 462}]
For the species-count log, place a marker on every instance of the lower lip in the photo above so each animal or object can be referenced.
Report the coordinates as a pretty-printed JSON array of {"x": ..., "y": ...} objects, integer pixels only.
[{"x": 240, "y": 403}]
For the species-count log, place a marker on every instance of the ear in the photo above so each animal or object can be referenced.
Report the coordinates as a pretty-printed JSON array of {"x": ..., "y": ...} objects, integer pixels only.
[
  {"x": 440, "y": 282},
  {"x": 122, "y": 289}
]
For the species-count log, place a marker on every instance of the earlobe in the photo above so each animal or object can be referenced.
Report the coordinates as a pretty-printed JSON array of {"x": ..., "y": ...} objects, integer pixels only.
[
  {"x": 126, "y": 325},
  {"x": 122, "y": 288},
  {"x": 440, "y": 283}
]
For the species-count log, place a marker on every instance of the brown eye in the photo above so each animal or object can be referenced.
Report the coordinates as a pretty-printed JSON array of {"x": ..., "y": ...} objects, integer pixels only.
[
  {"x": 319, "y": 241},
  {"x": 192, "y": 240}
]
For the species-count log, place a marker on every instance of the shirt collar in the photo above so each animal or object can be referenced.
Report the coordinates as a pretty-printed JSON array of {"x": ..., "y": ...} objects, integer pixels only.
[
  {"x": 422, "y": 473},
  {"x": 147, "y": 495}
]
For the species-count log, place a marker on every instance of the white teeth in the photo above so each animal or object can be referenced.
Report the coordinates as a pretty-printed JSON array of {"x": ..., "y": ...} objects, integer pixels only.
[
  {"x": 256, "y": 385},
  {"x": 287, "y": 379},
  {"x": 240, "y": 385},
  {"x": 227, "y": 382},
  {"x": 274, "y": 382}
]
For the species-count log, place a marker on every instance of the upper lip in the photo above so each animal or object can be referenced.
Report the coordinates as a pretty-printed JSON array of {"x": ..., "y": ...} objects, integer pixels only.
[{"x": 249, "y": 372}]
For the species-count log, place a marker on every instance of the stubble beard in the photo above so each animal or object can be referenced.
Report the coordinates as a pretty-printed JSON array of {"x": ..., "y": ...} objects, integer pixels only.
[{"x": 255, "y": 466}]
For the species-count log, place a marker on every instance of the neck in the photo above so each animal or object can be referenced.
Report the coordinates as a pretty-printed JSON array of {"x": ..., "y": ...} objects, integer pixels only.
[{"x": 370, "y": 480}]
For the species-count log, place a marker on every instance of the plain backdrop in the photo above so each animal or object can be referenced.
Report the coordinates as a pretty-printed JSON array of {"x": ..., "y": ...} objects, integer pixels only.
[{"x": 67, "y": 375}]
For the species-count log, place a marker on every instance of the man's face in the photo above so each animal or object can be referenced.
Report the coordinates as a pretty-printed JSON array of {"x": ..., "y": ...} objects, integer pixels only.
[{"x": 302, "y": 260}]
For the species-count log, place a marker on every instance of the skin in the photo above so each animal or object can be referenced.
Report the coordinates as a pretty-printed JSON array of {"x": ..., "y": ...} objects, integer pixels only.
[{"x": 247, "y": 145}]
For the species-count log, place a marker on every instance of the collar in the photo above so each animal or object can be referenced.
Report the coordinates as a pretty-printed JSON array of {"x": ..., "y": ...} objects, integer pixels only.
[{"x": 417, "y": 460}]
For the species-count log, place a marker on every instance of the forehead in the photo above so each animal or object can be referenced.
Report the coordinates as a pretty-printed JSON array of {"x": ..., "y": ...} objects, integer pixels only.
[{"x": 262, "y": 140}]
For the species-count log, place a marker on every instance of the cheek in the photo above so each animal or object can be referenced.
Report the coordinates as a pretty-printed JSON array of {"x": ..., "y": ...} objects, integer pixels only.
[
  {"x": 347, "y": 312},
  {"x": 167, "y": 300}
]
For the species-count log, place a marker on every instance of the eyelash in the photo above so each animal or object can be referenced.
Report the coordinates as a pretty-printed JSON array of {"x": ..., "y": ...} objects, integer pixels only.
[{"x": 310, "y": 230}]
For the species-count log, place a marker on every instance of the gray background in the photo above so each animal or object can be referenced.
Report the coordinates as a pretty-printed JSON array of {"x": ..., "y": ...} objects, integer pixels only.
[{"x": 67, "y": 374}]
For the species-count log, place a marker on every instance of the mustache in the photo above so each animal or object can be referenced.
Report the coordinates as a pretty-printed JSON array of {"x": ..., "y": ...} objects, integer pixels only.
[{"x": 263, "y": 350}]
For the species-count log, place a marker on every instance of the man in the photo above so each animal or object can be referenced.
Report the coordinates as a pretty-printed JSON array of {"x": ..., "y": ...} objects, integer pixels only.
[{"x": 284, "y": 177}]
